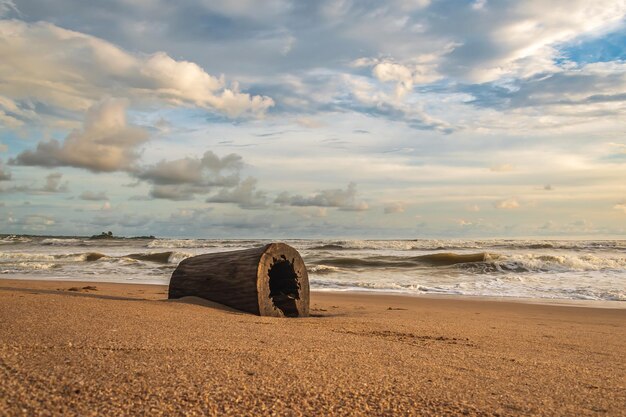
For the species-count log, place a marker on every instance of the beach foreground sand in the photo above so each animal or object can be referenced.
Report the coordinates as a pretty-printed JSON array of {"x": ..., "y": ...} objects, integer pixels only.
[{"x": 123, "y": 349}]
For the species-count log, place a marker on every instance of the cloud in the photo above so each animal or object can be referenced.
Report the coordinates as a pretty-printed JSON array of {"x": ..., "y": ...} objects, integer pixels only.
[
  {"x": 12, "y": 115},
  {"x": 6, "y": 7},
  {"x": 53, "y": 183},
  {"x": 342, "y": 199},
  {"x": 393, "y": 208},
  {"x": 420, "y": 70},
  {"x": 106, "y": 143},
  {"x": 519, "y": 41},
  {"x": 245, "y": 195},
  {"x": 621, "y": 207},
  {"x": 92, "y": 196},
  {"x": 508, "y": 204},
  {"x": 79, "y": 69},
  {"x": 193, "y": 170},
  {"x": 577, "y": 89},
  {"x": 367, "y": 97},
  {"x": 177, "y": 192},
  {"x": 181, "y": 179}
]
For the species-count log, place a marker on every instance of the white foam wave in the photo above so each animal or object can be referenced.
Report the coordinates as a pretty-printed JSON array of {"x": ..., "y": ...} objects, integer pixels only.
[
  {"x": 177, "y": 257},
  {"x": 61, "y": 242},
  {"x": 323, "y": 269},
  {"x": 14, "y": 239},
  {"x": 558, "y": 263},
  {"x": 25, "y": 256},
  {"x": 38, "y": 266},
  {"x": 452, "y": 244},
  {"x": 181, "y": 243}
]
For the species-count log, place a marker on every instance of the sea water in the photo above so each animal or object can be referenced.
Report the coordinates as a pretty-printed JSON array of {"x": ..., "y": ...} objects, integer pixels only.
[{"x": 547, "y": 269}]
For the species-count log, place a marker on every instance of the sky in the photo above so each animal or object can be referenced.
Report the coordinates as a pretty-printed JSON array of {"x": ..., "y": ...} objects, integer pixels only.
[{"x": 313, "y": 119}]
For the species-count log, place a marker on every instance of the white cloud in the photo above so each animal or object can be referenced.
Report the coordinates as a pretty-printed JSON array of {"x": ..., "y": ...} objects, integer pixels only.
[
  {"x": 508, "y": 204},
  {"x": 424, "y": 71},
  {"x": 245, "y": 195},
  {"x": 343, "y": 199},
  {"x": 106, "y": 143},
  {"x": 71, "y": 70},
  {"x": 370, "y": 98}
]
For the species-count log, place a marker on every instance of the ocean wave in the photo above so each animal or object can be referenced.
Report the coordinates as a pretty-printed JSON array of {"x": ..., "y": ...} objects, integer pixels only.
[
  {"x": 201, "y": 243},
  {"x": 13, "y": 239},
  {"x": 458, "y": 244},
  {"x": 381, "y": 261},
  {"x": 61, "y": 242},
  {"x": 159, "y": 257},
  {"x": 557, "y": 263},
  {"x": 482, "y": 262},
  {"x": 156, "y": 257},
  {"x": 181, "y": 243},
  {"x": 322, "y": 269},
  {"x": 330, "y": 246}
]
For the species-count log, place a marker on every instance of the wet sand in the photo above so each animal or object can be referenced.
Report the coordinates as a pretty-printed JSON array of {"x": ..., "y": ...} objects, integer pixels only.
[{"x": 71, "y": 348}]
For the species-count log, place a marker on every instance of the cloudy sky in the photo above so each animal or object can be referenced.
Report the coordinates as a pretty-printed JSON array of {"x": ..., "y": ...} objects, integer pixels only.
[{"x": 290, "y": 118}]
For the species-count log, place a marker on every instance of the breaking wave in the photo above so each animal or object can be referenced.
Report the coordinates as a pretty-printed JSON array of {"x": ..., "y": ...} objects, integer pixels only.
[
  {"x": 557, "y": 269},
  {"x": 155, "y": 257},
  {"x": 482, "y": 262}
]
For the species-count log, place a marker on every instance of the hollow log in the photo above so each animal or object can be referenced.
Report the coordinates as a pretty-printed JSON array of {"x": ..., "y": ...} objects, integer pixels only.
[{"x": 267, "y": 281}]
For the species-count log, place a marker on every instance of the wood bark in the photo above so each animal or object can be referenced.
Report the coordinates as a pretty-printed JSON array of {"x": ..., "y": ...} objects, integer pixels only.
[{"x": 267, "y": 281}]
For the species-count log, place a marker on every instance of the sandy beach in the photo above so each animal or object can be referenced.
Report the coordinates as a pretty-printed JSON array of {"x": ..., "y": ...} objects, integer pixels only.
[{"x": 73, "y": 348}]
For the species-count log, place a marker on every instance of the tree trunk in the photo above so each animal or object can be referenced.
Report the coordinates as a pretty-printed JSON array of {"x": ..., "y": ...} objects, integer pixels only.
[{"x": 267, "y": 281}]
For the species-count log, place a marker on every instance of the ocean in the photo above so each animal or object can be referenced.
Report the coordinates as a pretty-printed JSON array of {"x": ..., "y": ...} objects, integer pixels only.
[{"x": 538, "y": 269}]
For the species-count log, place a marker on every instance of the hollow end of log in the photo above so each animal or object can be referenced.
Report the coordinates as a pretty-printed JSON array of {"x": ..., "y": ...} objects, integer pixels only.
[
  {"x": 283, "y": 282},
  {"x": 284, "y": 286}
]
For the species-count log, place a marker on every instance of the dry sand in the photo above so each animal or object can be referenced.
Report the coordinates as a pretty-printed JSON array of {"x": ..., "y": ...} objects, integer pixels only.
[{"x": 124, "y": 350}]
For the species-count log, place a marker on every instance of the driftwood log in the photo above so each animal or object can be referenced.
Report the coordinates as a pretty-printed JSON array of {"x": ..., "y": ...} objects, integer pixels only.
[{"x": 267, "y": 281}]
